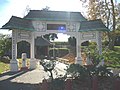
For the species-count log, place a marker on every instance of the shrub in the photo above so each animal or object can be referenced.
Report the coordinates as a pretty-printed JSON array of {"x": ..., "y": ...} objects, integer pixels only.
[
  {"x": 78, "y": 71},
  {"x": 112, "y": 58},
  {"x": 59, "y": 52},
  {"x": 5, "y": 59},
  {"x": 63, "y": 51}
]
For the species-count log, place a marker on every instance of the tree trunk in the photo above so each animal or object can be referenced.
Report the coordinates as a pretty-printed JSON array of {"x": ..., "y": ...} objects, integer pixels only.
[
  {"x": 112, "y": 37},
  {"x": 111, "y": 43},
  {"x": 51, "y": 75}
]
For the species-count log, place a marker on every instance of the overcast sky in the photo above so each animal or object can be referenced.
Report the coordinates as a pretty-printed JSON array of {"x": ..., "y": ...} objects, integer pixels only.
[{"x": 18, "y": 7}]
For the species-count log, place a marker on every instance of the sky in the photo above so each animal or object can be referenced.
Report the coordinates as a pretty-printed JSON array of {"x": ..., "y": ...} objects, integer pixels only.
[{"x": 17, "y": 8}]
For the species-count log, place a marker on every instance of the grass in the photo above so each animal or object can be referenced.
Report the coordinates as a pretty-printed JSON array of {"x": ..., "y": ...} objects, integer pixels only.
[
  {"x": 112, "y": 57},
  {"x": 117, "y": 48},
  {"x": 20, "y": 62},
  {"x": 3, "y": 67}
]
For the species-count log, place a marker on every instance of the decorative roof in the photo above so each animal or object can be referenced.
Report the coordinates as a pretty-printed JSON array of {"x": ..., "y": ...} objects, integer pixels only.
[
  {"x": 54, "y": 15},
  {"x": 41, "y": 41},
  {"x": 26, "y": 22},
  {"x": 92, "y": 25},
  {"x": 18, "y": 23}
]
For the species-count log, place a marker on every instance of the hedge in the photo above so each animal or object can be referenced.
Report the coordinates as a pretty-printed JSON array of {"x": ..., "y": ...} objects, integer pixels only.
[{"x": 59, "y": 52}]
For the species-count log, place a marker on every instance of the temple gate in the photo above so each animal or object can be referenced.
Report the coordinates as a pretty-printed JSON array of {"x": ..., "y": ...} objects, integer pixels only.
[{"x": 40, "y": 22}]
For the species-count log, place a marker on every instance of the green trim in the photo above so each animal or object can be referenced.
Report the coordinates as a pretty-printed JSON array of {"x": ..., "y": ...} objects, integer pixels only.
[
  {"x": 20, "y": 28},
  {"x": 100, "y": 29},
  {"x": 53, "y": 19}
]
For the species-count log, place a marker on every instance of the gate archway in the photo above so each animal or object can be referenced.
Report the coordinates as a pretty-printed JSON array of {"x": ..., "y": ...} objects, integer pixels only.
[
  {"x": 23, "y": 47},
  {"x": 39, "y": 22}
]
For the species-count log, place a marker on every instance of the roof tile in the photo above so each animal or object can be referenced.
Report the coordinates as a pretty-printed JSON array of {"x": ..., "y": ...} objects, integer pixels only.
[
  {"x": 18, "y": 23},
  {"x": 54, "y": 15},
  {"x": 93, "y": 25}
]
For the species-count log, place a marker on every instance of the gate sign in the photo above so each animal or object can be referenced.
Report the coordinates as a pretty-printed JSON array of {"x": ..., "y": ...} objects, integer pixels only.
[{"x": 88, "y": 35}]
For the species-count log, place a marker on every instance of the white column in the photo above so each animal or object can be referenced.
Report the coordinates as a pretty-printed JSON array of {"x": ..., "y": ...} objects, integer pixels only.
[
  {"x": 14, "y": 61},
  {"x": 78, "y": 50},
  {"x": 33, "y": 62},
  {"x": 32, "y": 47}
]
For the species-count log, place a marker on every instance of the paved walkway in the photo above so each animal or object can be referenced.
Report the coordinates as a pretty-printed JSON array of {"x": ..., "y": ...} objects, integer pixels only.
[{"x": 26, "y": 80}]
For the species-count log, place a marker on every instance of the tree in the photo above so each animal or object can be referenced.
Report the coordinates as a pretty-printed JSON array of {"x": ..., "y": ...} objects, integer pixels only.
[
  {"x": 72, "y": 42},
  {"x": 5, "y": 45},
  {"x": 48, "y": 66},
  {"x": 46, "y": 8},
  {"x": 114, "y": 15},
  {"x": 51, "y": 36},
  {"x": 92, "y": 10},
  {"x": 108, "y": 11}
]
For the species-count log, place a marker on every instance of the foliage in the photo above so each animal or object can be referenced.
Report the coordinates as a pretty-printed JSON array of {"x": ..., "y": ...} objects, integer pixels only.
[
  {"x": 5, "y": 45},
  {"x": 108, "y": 11},
  {"x": 78, "y": 71},
  {"x": 59, "y": 52},
  {"x": 61, "y": 43},
  {"x": 117, "y": 41},
  {"x": 75, "y": 70},
  {"x": 103, "y": 71},
  {"x": 112, "y": 57},
  {"x": 63, "y": 52},
  {"x": 72, "y": 41},
  {"x": 48, "y": 65},
  {"x": 5, "y": 59},
  {"x": 3, "y": 67},
  {"x": 51, "y": 36},
  {"x": 91, "y": 51},
  {"x": 20, "y": 62}
]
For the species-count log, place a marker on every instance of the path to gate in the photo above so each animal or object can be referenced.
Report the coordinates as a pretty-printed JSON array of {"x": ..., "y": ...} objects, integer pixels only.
[{"x": 25, "y": 80}]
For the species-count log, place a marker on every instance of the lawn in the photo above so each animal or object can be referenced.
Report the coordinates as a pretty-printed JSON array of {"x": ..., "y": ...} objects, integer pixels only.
[
  {"x": 117, "y": 48},
  {"x": 3, "y": 67},
  {"x": 20, "y": 62}
]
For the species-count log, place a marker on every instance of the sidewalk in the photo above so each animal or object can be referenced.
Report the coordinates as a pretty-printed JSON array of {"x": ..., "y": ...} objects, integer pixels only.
[
  {"x": 22, "y": 80},
  {"x": 26, "y": 80}
]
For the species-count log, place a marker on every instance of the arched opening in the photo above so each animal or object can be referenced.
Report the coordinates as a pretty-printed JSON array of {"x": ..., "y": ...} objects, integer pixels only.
[
  {"x": 55, "y": 48},
  {"x": 23, "y": 47},
  {"x": 61, "y": 47}
]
